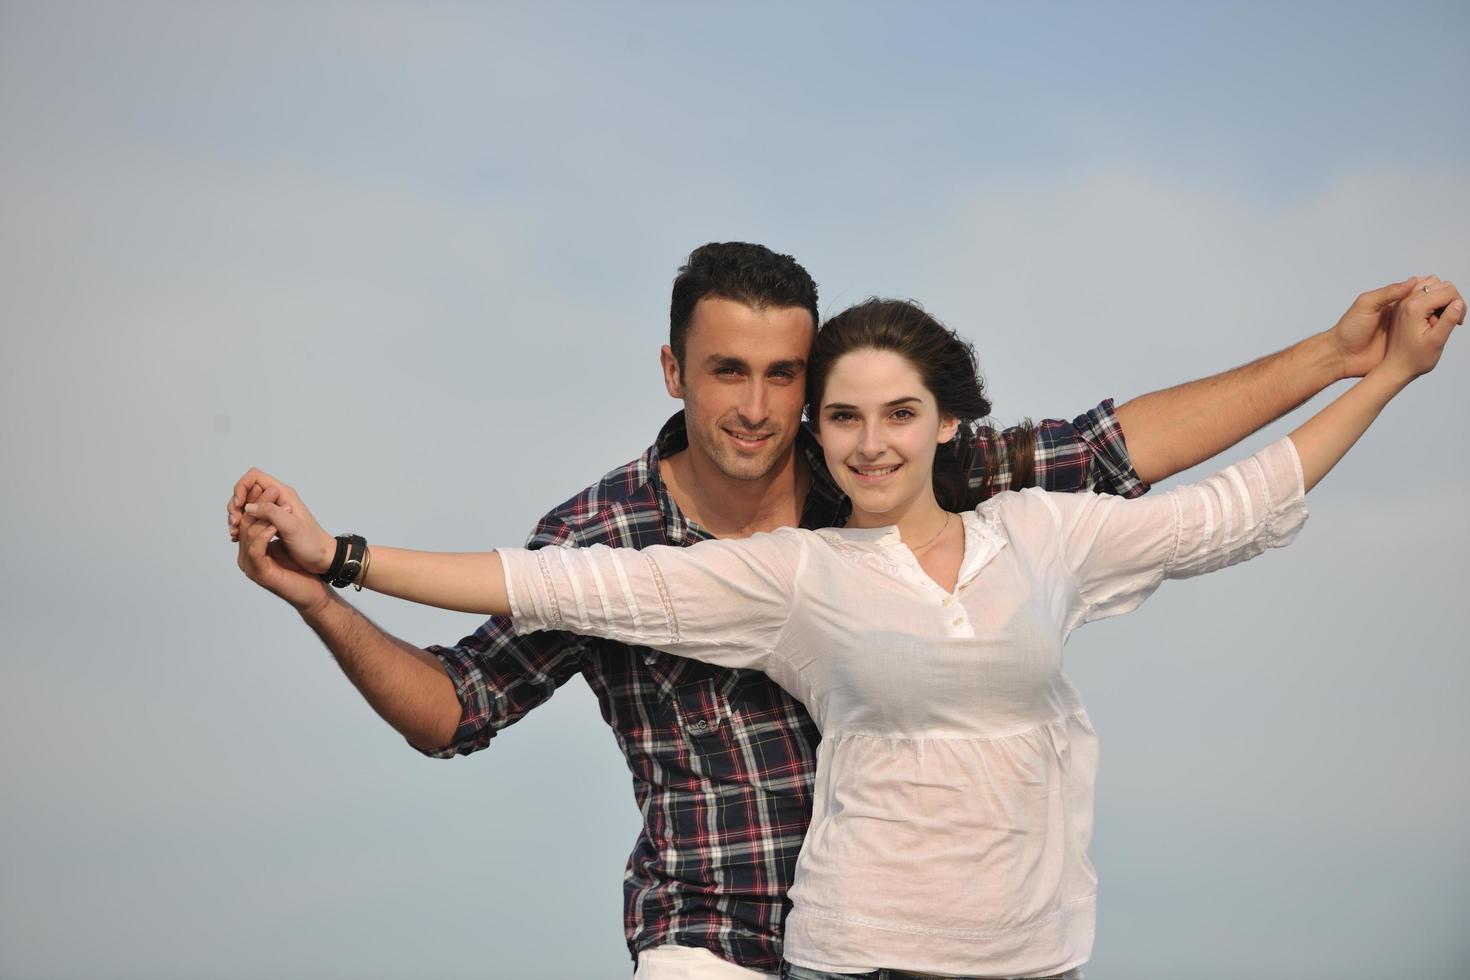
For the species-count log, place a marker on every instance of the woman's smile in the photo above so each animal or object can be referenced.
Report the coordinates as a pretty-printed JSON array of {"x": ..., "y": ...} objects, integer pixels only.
[{"x": 870, "y": 475}]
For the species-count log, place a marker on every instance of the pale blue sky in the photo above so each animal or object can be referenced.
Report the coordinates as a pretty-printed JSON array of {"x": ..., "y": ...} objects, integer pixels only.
[{"x": 416, "y": 258}]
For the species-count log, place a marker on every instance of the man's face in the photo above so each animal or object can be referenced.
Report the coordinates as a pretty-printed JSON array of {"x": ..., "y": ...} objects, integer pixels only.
[{"x": 743, "y": 385}]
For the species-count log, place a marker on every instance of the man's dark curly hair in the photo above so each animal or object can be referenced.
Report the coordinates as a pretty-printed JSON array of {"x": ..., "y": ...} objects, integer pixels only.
[{"x": 749, "y": 274}]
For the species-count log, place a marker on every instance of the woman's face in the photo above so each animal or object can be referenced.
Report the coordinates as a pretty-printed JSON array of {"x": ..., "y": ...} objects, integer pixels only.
[{"x": 879, "y": 427}]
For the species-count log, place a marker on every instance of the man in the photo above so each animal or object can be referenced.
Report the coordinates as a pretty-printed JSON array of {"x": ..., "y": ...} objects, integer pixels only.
[{"x": 723, "y": 760}]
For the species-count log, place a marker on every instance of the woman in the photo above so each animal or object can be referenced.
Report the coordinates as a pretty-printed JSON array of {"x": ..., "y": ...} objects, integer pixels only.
[{"x": 953, "y": 801}]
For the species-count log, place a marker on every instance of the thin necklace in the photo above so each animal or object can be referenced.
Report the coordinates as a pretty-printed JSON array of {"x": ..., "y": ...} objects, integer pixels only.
[{"x": 942, "y": 528}]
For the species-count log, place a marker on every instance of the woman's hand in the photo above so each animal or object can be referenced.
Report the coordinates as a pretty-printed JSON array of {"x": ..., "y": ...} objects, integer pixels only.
[
  {"x": 264, "y": 498},
  {"x": 1360, "y": 336},
  {"x": 285, "y": 550},
  {"x": 1422, "y": 323}
]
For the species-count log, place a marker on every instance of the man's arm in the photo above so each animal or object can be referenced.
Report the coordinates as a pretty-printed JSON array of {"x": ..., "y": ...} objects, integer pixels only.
[
  {"x": 444, "y": 700},
  {"x": 1171, "y": 430},
  {"x": 406, "y": 686}
]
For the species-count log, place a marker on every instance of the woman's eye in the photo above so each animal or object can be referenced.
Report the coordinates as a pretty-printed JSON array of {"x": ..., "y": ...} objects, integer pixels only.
[{"x": 904, "y": 414}]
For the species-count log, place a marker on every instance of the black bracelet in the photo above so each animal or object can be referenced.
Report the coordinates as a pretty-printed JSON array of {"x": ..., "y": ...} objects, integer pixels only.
[{"x": 347, "y": 562}]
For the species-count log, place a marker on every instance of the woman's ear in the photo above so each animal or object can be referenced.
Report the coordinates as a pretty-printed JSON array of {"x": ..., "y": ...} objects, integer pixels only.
[{"x": 948, "y": 426}]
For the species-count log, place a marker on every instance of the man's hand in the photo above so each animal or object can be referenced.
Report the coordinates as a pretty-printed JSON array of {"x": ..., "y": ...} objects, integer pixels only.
[
  {"x": 408, "y": 687},
  {"x": 1360, "y": 337},
  {"x": 289, "y": 566},
  {"x": 1421, "y": 326}
]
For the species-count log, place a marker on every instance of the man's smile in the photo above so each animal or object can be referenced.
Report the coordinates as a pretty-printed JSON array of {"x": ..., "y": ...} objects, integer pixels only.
[{"x": 749, "y": 440}]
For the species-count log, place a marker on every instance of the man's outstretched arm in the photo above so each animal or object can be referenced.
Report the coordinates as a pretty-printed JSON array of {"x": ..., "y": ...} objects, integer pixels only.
[
  {"x": 406, "y": 686},
  {"x": 445, "y": 700},
  {"x": 1173, "y": 429}
]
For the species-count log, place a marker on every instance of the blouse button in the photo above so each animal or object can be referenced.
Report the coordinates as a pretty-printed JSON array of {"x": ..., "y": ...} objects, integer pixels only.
[
  {"x": 949, "y": 600},
  {"x": 957, "y": 621}
]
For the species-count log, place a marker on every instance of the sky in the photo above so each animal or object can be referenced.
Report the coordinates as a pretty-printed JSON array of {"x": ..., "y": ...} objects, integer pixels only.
[{"x": 414, "y": 259}]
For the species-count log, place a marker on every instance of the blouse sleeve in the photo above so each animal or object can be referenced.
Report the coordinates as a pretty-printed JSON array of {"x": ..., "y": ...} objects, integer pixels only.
[
  {"x": 1118, "y": 551},
  {"x": 722, "y": 602}
]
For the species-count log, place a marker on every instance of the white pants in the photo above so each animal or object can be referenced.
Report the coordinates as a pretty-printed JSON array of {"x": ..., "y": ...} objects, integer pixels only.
[{"x": 690, "y": 963}]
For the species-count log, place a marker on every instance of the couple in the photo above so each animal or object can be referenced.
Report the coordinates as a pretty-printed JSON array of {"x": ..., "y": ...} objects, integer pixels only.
[{"x": 951, "y": 809}]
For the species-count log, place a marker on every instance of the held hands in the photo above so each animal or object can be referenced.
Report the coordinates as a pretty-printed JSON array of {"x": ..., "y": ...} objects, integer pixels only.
[
  {"x": 1421, "y": 325},
  {"x": 1418, "y": 326},
  {"x": 1360, "y": 337},
  {"x": 282, "y": 547}
]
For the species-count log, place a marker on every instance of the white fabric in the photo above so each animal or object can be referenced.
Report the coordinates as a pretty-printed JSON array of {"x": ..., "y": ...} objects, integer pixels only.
[
  {"x": 690, "y": 963},
  {"x": 954, "y": 785}
]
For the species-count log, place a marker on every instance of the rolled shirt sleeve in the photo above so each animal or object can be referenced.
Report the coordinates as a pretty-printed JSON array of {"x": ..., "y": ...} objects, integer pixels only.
[
  {"x": 723, "y": 602},
  {"x": 1087, "y": 453},
  {"x": 1109, "y": 464},
  {"x": 501, "y": 675},
  {"x": 1118, "y": 551}
]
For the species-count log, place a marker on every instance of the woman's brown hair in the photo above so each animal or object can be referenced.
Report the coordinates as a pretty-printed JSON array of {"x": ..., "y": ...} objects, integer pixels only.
[{"x": 946, "y": 363}]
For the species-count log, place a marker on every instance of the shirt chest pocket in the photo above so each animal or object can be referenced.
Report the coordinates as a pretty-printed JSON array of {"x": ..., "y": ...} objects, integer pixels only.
[
  {"x": 699, "y": 720},
  {"x": 736, "y": 727},
  {"x": 702, "y": 710}
]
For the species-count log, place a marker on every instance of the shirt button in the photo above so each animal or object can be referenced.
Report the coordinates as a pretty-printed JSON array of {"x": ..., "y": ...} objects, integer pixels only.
[
  {"x": 649, "y": 658},
  {"x": 699, "y": 727},
  {"x": 949, "y": 600},
  {"x": 957, "y": 621}
]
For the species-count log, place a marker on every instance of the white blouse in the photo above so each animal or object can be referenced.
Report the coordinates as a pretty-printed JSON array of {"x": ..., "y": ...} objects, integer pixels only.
[{"x": 954, "y": 786}]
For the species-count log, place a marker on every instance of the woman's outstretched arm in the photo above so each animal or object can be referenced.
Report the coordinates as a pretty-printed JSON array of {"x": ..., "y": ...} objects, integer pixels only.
[
  {"x": 723, "y": 602},
  {"x": 1116, "y": 552},
  {"x": 1415, "y": 341},
  {"x": 467, "y": 582}
]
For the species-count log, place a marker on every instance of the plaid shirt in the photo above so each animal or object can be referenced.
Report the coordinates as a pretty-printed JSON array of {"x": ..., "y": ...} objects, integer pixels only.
[{"x": 722, "y": 760}]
